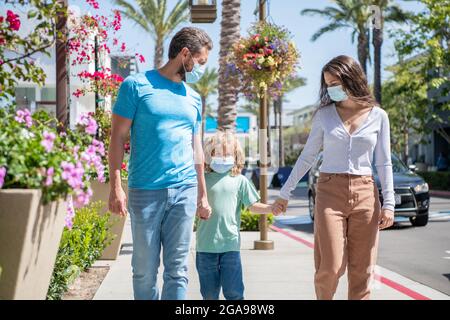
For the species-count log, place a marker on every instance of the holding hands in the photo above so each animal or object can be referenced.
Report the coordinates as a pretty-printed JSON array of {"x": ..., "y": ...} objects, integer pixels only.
[
  {"x": 279, "y": 206},
  {"x": 203, "y": 209}
]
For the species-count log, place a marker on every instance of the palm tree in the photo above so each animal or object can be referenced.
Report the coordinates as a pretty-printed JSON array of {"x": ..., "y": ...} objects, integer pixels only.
[
  {"x": 205, "y": 87},
  {"x": 388, "y": 13},
  {"x": 151, "y": 16},
  {"x": 352, "y": 14},
  {"x": 288, "y": 86},
  {"x": 229, "y": 34}
]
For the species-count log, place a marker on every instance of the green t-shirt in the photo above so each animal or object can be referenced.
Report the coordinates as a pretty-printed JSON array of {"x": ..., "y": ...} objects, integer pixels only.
[{"x": 221, "y": 232}]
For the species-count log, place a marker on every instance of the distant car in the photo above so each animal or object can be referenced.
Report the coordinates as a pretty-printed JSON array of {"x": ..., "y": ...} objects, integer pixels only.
[{"x": 412, "y": 198}]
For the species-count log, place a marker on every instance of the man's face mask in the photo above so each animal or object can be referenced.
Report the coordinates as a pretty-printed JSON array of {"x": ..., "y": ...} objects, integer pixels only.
[
  {"x": 337, "y": 93},
  {"x": 196, "y": 73}
]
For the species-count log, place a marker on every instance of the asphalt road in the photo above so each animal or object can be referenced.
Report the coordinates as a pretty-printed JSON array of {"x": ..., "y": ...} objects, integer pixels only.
[{"x": 419, "y": 253}]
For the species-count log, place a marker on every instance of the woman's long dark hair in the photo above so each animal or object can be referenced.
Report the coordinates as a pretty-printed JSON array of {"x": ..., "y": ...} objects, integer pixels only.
[{"x": 353, "y": 79}]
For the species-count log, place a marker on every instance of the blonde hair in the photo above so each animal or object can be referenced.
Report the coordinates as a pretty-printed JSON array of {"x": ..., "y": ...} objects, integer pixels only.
[{"x": 224, "y": 143}]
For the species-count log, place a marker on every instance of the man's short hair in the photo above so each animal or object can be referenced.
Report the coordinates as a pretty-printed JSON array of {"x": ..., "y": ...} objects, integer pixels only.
[{"x": 192, "y": 38}]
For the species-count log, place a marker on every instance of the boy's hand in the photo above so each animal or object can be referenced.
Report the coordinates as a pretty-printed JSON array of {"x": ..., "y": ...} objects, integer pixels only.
[
  {"x": 203, "y": 209},
  {"x": 204, "y": 215}
]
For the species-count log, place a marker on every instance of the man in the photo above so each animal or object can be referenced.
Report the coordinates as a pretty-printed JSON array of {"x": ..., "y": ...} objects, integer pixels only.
[{"x": 166, "y": 180}]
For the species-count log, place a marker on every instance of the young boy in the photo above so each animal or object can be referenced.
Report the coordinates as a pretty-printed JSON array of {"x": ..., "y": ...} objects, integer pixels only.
[{"x": 218, "y": 257}]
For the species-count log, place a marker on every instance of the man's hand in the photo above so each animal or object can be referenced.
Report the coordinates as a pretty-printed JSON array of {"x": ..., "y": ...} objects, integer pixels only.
[
  {"x": 118, "y": 201},
  {"x": 203, "y": 209},
  {"x": 282, "y": 203},
  {"x": 386, "y": 219}
]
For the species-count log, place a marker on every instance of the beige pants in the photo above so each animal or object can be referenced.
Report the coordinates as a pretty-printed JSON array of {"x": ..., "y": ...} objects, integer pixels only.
[{"x": 345, "y": 233}]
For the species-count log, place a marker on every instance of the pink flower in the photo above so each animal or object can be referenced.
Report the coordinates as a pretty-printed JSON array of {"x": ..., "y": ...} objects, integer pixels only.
[
  {"x": 2, "y": 176},
  {"x": 24, "y": 116},
  {"x": 100, "y": 147},
  {"x": 123, "y": 47},
  {"x": 82, "y": 197},
  {"x": 49, "y": 179},
  {"x": 73, "y": 174},
  {"x": 13, "y": 20},
  {"x": 89, "y": 124},
  {"x": 93, "y": 3},
  {"x": 117, "y": 23},
  {"x": 70, "y": 213},
  {"x": 141, "y": 57},
  {"x": 49, "y": 138}
]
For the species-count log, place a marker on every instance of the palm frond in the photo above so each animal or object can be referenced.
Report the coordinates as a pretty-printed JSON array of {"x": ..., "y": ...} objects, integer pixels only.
[{"x": 328, "y": 28}]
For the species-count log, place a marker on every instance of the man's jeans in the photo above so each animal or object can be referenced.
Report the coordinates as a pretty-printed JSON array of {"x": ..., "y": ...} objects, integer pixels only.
[
  {"x": 216, "y": 270},
  {"x": 161, "y": 218}
]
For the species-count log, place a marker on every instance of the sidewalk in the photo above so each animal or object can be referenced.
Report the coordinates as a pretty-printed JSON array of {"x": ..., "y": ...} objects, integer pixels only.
[{"x": 283, "y": 273}]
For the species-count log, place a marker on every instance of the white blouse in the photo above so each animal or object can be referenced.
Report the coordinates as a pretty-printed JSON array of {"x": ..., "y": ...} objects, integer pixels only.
[{"x": 347, "y": 153}]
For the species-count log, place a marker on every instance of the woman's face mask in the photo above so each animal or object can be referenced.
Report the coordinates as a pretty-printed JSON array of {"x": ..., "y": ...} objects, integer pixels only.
[
  {"x": 337, "y": 93},
  {"x": 196, "y": 73},
  {"x": 222, "y": 165}
]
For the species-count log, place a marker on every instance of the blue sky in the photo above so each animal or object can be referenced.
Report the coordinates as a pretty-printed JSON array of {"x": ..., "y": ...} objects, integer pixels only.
[{"x": 284, "y": 12}]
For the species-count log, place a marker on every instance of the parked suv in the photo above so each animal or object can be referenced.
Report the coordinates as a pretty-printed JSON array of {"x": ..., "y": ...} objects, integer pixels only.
[{"x": 412, "y": 198}]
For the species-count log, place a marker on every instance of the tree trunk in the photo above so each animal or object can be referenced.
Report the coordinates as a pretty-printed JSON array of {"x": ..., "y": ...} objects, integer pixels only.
[
  {"x": 363, "y": 43},
  {"x": 377, "y": 44},
  {"x": 269, "y": 131},
  {"x": 406, "y": 141},
  {"x": 280, "y": 132},
  {"x": 159, "y": 53},
  {"x": 62, "y": 72},
  {"x": 203, "y": 118},
  {"x": 229, "y": 34},
  {"x": 279, "y": 125}
]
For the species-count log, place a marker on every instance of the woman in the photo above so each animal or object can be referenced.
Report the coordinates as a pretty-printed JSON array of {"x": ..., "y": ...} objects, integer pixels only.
[{"x": 354, "y": 133}]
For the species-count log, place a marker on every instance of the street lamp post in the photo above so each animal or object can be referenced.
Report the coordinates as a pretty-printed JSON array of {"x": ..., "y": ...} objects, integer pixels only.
[{"x": 263, "y": 243}]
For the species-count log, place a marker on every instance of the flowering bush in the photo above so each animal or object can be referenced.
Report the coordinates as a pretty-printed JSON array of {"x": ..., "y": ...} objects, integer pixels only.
[
  {"x": 262, "y": 61},
  {"x": 81, "y": 47},
  {"x": 34, "y": 156},
  {"x": 105, "y": 83},
  {"x": 102, "y": 118},
  {"x": 18, "y": 49}
]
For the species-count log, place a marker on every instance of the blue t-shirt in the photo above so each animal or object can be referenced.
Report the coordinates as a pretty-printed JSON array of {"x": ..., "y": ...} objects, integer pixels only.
[{"x": 165, "y": 116}]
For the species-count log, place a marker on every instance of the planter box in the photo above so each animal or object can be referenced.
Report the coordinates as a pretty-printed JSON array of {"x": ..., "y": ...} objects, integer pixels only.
[
  {"x": 29, "y": 240},
  {"x": 101, "y": 193}
]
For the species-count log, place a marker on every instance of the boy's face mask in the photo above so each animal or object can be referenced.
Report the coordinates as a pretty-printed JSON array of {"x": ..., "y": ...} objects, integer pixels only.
[
  {"x": 337, "y": 93},
  {"x": 222, "y": 165}
]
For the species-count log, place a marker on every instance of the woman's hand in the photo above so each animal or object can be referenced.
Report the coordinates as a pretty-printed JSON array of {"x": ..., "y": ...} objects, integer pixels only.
[
  {"x": 276, "y": 209},
  {"x": 386, "y": 219},
  {"x": 282, "y": 203}
]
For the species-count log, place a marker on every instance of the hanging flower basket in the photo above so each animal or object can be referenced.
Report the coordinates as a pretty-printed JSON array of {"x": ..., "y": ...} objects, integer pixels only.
[{"x": 261, "y": 62}]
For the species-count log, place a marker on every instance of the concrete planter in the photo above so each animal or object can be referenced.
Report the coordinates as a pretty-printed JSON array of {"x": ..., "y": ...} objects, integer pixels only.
[
  {"x": 101, "y": 193},
  {"x": 29, "y": 240}
]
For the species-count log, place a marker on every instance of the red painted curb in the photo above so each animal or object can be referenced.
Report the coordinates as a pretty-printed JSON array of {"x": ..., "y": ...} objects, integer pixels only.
[{"x": 390, "y": 283}]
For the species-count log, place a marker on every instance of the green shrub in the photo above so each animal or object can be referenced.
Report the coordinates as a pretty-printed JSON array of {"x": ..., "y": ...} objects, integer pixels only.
[
  {"x": 437, "y": 180},
  {"x": 250, "y": 221},
  {"x": 80, "y": 247}
]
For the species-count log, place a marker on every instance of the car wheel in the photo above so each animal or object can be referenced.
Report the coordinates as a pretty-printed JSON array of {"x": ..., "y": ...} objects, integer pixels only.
[
  {"x": 420, "y": 220},
  {"x": 311, "y": 205}
]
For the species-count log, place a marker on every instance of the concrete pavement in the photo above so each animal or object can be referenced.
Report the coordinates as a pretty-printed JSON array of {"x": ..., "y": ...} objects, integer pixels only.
[{"x": 283, "y": 273}]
